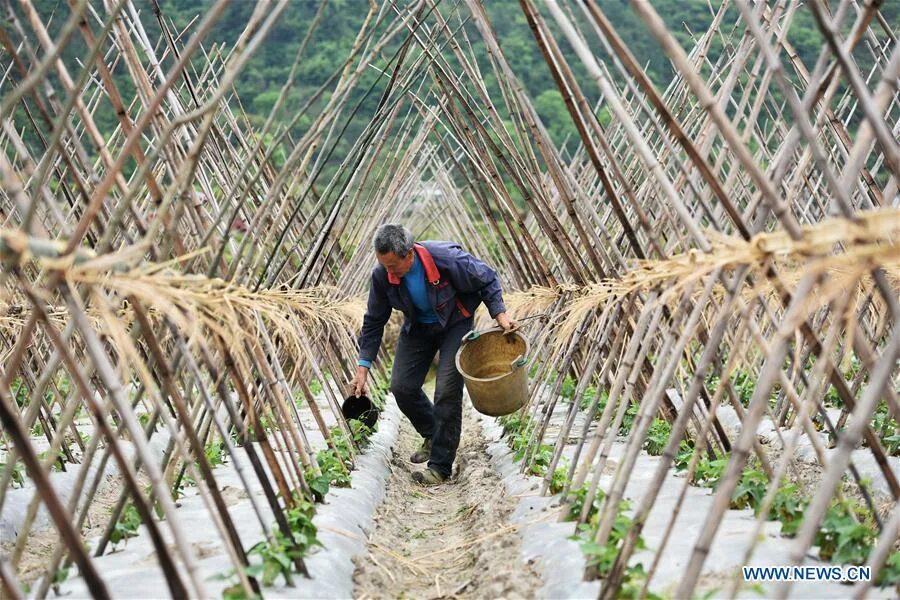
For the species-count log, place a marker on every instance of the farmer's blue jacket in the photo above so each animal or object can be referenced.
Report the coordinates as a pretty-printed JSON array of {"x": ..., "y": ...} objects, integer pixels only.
[{"x": 457, "y": 283}]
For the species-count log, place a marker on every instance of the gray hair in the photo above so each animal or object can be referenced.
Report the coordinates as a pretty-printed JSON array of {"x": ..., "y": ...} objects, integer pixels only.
[{"x": 393, "y": 237}]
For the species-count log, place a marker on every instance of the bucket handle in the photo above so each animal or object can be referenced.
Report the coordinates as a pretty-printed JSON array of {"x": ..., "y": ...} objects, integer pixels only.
[
  {"x": 471, "y": 336},
  {"x": 519, "y": 361}
]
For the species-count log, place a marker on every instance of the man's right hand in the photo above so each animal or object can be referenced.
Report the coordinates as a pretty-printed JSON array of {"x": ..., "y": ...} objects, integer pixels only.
[{"x": 358, "y": 386}]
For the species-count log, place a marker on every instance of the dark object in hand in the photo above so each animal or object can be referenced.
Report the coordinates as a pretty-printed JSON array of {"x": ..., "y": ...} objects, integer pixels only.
[{"x": 361, "y": 409}]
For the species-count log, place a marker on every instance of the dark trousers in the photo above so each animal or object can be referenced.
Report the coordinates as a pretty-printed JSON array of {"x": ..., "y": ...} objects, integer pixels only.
[{"x": 441, "y": 421}]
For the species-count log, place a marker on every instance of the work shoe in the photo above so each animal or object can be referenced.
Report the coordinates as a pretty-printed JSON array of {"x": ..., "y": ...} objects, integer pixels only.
[
  {"x": 423, "y": 453},
  {"x": 428, "y": 477}
]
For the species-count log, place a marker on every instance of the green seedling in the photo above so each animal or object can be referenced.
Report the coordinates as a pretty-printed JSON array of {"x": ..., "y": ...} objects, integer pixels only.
[
  {"x": 215, "y": 453},
  {"x": 603, "y": 556},
  {"x": 657, "y": 437},
  {"x": 560, "y": 475},
  {"x": 788, "y": 507},
  {"x": 579, "y": 496},
  {"x": 628, "y": 419},
  {"x": 540, "y": 461},
  {"x": 334, "y": 470},
  {"x": 890, "y": 572},
  {"x": 319, "y": 484},
  {"x": 846, "y": 536},
  {"x": 361, "y": 432},
  {"x": 709, "y": 472},
  {"x": 750, "y": 490},
  {"x": 683, "y": 457},
  {"x": 279, "y": 553},
  {"x": 18, "y": 473},
  {"x": 127, "y": 525}
]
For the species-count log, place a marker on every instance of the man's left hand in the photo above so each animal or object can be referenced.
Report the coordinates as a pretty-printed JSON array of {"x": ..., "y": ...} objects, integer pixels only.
[{"x": 506, "y": 323}]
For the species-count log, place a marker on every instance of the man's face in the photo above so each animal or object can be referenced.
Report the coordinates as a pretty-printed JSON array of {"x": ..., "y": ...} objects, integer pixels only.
[{"x": 394, "y": 264}]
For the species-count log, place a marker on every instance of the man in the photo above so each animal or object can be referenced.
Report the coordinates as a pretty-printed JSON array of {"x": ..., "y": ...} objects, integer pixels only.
[{"x": 437, "y": 286}]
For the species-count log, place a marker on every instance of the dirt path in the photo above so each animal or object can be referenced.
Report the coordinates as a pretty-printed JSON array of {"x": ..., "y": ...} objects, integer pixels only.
[{"x": 448, "y": 541}]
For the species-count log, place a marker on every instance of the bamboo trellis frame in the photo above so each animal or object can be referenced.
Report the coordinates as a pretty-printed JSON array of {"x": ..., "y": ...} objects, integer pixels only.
[{"x": 689, "y": 243}]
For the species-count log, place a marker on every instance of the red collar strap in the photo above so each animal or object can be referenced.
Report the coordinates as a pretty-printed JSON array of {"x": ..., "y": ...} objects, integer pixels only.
[{"x": 431, "y": 272}]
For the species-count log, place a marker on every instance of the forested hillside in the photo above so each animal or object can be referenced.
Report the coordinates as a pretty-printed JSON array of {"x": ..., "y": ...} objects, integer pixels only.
[{"x": 258, "y": 85}]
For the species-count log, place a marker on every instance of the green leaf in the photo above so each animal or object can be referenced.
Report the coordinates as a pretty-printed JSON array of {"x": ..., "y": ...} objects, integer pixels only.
[
  {"x": 319, "y": 485},
  {"x": 236, "y": 592},
  {"x": 890, "y": 572},
  {"x": 283, "y": 560},
  {"x": 254, "y": 570},
  {"x": 271, "y": 571}
]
